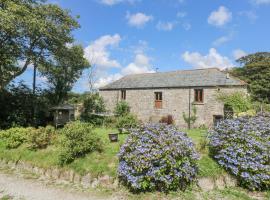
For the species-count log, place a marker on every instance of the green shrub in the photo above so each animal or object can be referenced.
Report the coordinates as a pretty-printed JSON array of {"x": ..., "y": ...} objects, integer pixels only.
[
  {"x": 40, "y": 138},
  {"x": 14, "y": 137},
  {"x": 128, "y": 121},
  {"x": 110, "y": 122},
  {"x": 122, "y": 108},
  {"x": 79, "y": 139},
  {"x": 93, "y": 104},
  {"x": 238, "y": 101}
]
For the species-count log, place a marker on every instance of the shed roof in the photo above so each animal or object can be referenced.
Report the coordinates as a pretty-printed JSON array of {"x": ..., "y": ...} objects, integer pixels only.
[{"x": 175, "y": 79}]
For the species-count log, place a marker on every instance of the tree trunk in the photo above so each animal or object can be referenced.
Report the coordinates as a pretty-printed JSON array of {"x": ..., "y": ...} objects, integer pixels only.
[{"x": 34, "y": 94}]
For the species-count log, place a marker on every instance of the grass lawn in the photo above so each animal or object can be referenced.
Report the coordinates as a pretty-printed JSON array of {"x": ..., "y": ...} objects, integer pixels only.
[
  {"x": 207, "y": 166},
  {"x": 96, "y": 163},
  {"x": 105, "y": 162}
]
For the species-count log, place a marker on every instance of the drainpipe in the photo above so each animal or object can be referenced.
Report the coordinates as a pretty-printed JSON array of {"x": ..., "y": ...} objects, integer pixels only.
[{"x": 189, "y": 100}]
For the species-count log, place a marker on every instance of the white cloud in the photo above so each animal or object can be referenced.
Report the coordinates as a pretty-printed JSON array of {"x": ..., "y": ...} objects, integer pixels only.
[
  {"x": 114, "y": 2},
  {"x": 141, "y": 47},
  {"x": 165, "y": 26},
  {"x": 110, "y": 2},
  {"x": 97, "y": 52},
  {"x": 251, "y": 15},
  {"x": 220, "y": 17},
  {"x": 108, "y": 79},
  {"x": 141, "y": 64},
  {"x": 260, "y": 2},
  {"x": 222, "y": 40},
  {"x": 138, "y": 20},
  {"x": 212, "y": 59},
  {"x": 186, "y": 26},
  {"x": 181, "y": 14},
  {"x": 238, "y": 53}
]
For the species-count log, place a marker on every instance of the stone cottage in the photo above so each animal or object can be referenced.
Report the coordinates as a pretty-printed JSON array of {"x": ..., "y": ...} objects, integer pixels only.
[{"x": 155, "y": 95}]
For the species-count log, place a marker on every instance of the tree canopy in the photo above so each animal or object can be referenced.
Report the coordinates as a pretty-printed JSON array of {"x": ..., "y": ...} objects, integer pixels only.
[
  {"x": 63, "y": 71},
  {"x": 31, "y": 32},
  {"x": 256, "y": 72}
]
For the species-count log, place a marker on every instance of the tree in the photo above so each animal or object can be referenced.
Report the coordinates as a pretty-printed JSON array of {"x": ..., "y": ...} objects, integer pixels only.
[
  {"x": 92, "y": 104},
  {"x": 30, "y": 33},
  {"x": 64, "y": 69},
  {"x": 256, "y": 72},
  {"x": 191, "y": 119},
  {"x": 16, "y": 103}
]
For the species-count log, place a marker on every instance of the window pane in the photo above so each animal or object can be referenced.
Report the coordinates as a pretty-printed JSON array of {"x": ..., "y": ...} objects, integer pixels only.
[
  {"x": 158, "y": 96},
  {"x": 123, "y": 94},
  {"x": 198, "y": 95}
]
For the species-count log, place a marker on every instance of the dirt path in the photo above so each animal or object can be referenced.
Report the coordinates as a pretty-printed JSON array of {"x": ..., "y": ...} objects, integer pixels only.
[{"x": 29, "y": 189}]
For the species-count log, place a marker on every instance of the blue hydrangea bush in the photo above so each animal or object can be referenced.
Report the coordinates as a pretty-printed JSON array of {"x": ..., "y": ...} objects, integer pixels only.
[
  {"x": 157, "y": 157},
  {"x": 242, "y": 147}
]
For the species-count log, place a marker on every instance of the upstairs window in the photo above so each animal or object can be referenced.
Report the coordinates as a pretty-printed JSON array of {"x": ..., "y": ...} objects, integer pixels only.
[
  {"x": 123, "y": 94},
  {"x": 158, "y": 100},
  {"x": 198, "y": 95}
]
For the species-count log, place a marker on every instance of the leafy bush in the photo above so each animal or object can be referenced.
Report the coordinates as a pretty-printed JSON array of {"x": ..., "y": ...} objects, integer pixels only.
[
  {"x": 16, "y": 103},
  {"x": 242, "y": 147},
  {"x": 238, "y": 101},
  {"x": 40, "y": 138},
  {"x": 128, "y": 121},
  {"x": 93, "y": 104},
  {"x": 122, "y": 108},
  {"x": 167, "y": 120},
  {"x": 157, "y": 157},
  {"x": 110, "y": 122},
  {"x": 14, "y": 137},
  {"x": 78, "y": 140}
]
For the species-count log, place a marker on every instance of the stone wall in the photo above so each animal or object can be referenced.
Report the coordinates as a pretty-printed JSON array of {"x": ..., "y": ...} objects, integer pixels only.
[
  {"x": 64, "y": 176},
  {"x": 175, "y": 102}
]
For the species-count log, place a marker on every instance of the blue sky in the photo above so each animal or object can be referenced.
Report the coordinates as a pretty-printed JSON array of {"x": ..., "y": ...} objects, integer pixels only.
[{"x": 124, "y": 37}]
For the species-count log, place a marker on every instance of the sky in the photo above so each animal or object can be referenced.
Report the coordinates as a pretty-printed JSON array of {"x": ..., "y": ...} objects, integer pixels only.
[{"x": 122, "y": 37}]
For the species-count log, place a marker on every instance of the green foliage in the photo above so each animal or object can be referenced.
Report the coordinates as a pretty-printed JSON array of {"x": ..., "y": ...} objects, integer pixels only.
[
  {"x": 110, "y": 122},
  {"x": 128, "y": 121},
  {"x": 93, "y": 104},
  {"x": 238, "y": 101},
  {"x": 79, "y": 139},
  {"x": 193, "y": 117},
  {"x": 122, "y": 108},
  {"x": 63, "y": 71},
  {"x": 40, "y": 138},
  {"x": 17, "y": 103},
  {"x": 256, "y": 72},
  {"x": 76, "y": 98},
  {"x": 14, "y": 137},
  {"x": 31, "y": 31},
  {"x": 260, "y": 107}
]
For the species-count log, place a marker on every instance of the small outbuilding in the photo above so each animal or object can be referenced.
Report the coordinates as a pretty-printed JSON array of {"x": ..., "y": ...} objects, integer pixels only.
[{"x": 63, "y": 114}]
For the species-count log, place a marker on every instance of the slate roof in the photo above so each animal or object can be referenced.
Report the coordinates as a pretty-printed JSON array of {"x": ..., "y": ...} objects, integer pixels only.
[{"x": 175, "y": 79}]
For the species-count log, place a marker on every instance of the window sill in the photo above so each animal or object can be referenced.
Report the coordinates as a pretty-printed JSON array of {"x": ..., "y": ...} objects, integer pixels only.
[{"x": 198, "y": 103}]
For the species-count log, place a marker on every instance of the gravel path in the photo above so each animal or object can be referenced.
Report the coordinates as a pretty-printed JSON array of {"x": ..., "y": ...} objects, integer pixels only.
[{"x": 30, "y": 189}]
